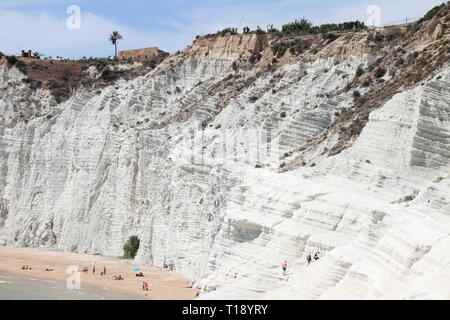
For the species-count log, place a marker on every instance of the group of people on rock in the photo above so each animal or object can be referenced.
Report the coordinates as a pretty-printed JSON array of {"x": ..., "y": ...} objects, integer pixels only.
[
  {"x": 316, "y": 257},
  {"x": 309, "y": 259}
]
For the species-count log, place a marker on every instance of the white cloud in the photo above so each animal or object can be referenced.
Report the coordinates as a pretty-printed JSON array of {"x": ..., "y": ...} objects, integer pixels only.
[{"x": 49, "y": 35}]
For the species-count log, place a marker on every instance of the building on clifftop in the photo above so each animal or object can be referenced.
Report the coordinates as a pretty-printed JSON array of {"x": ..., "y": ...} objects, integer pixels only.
[{"x": 152, "y": 53}]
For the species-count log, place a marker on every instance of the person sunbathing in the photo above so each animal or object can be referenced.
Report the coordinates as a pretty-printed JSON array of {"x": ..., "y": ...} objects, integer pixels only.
[
  {"x": 118, "y": 277},
  {"x": 140, "y": 274}
]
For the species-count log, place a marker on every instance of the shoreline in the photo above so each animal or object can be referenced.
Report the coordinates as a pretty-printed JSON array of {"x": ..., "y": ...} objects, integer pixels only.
[{"x": 164, "y": 285}]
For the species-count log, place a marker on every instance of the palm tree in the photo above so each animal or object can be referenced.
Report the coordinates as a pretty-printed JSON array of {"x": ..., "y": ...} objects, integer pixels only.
[{"x": 114, "y": 37}]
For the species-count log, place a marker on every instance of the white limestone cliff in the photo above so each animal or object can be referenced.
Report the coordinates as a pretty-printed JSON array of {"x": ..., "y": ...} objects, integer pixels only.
[{"x": 85, "y": 175}]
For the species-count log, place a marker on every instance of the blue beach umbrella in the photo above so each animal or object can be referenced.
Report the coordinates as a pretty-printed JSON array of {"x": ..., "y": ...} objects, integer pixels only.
[{"x": 136, "y": 269}]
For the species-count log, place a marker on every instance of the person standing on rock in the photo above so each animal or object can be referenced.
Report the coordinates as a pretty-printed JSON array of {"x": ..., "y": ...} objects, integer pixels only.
[
  {"x": 308, "y": 259},
  {"x": 316, "y": 256},
  {"x": 284, "y": 267}
]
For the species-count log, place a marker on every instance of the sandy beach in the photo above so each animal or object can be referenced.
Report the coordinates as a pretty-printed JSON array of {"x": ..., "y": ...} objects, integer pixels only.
[{"x": 164, "y": 285}]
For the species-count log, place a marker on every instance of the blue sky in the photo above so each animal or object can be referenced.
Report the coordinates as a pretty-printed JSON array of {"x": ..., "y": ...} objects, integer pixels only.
[{"x": 40, "y": 25}]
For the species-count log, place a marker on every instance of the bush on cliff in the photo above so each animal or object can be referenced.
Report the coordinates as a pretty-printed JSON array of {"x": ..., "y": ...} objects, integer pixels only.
[
  {"x": 110, "y": 75},
  {"x": 296, "y": 27},
  {"x": 131, "y": 247},
  {"x": 304, "y": 26},
  {"x": 12, "y": 60},
  {"x": 430, "y": 14}
]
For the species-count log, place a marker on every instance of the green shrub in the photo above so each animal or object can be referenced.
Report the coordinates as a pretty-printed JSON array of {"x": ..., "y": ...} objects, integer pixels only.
[
  {"x": 295, "y": 46},
  {"x": 12, "y": 60},
  {"x": 330, "y": 36},
  {"x": 359, "y": 72},
  {"x": 131, "y": 247},
  {"x": 22, "y": 66},
  {"x": 110, "y": 75},
  {"x": 231, "y": 31},
  {"x": 272, "y": 29},
  {"x": 304, "y": 26},
  {"x": 66, "y": 75},
  {"x": 297, "y": 27},
  {"x": 259, "y": 30},
  {"x": 430, "y": 14}
]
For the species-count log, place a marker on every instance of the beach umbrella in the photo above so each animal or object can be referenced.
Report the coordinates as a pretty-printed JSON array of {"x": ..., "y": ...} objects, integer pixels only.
[{"x": 136, "y": 269}]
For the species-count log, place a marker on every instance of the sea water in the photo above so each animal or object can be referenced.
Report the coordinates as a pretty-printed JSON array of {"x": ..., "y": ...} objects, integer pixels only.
[{"x": 14, "y": 287}]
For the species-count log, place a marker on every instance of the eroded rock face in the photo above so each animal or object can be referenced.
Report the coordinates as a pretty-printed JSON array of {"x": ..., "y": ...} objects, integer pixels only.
[
  {"x": 438, "y": 32},
  {"x": 146, "y": 157}
]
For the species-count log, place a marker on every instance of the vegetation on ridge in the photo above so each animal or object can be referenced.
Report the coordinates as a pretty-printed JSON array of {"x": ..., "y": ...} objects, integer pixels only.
[
  {"x": 298, "y": 27},
  {"x": 432, "y": 13},
  {"x": 304, "y": 26}
]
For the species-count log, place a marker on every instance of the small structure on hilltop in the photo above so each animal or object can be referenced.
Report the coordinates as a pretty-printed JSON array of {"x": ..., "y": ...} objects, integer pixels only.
[
  {"x": 29, "y": 54},
  {"x": 26, "y": 54},
  {"x": 148, "y": 54}
]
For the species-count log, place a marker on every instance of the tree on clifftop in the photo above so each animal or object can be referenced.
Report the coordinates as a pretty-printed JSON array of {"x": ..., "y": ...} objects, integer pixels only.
[{"x": 114, "y": 37}]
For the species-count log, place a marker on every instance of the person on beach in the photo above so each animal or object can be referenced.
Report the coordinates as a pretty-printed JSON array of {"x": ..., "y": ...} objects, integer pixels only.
[
  {"x": 93, "y": 271},
  {"x": 145, "y": 286},
  {"x": 284, "y": 267},
  {"x": 308, "y": 259},
  {"x": 104, "y": 271}
]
